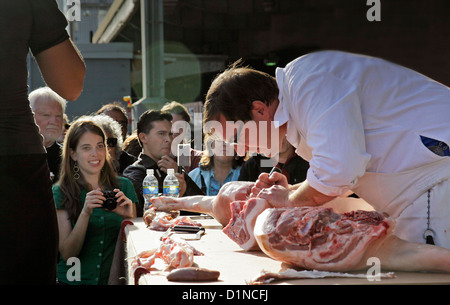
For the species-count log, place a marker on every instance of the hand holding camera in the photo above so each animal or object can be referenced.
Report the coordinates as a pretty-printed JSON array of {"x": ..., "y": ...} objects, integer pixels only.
[
  {"x": 117, "y": 202},
  {"x": 112, "y": 200}
]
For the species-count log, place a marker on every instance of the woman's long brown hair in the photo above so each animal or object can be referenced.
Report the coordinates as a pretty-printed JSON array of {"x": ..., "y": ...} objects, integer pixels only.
[{"x": 71, "y": 187}]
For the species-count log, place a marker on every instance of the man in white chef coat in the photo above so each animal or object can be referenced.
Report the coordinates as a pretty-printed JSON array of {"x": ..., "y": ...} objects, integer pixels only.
[{"x": 365, "y": 125}]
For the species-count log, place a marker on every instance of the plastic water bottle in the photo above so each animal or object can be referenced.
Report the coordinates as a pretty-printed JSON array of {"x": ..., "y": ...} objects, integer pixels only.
[
  {"x": 171, "y": 184},
  {"x": 149, "y": 188}
]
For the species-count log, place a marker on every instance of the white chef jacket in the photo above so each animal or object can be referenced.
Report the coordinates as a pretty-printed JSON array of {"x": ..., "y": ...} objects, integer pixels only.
[{"x": 350, "y": 114}]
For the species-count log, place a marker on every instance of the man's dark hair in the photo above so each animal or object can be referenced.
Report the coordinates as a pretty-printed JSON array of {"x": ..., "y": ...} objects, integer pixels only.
[
  {"x": 145, "y": 122},
  {"x": 233, "y": 92},
  {"x": 115, "y": 106}
]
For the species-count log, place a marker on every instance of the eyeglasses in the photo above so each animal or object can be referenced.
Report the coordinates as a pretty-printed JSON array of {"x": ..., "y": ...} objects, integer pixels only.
[{"x": 111, "y": 142}]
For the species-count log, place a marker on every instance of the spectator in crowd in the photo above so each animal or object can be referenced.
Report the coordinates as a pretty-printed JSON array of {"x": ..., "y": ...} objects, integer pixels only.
[
  {"x": 66, "y": 125},
  {"x": 291, "y": 165},
  {"x": 88, "y": 230},
  {"x": 219, "y": 165},
  {"x": 120, "y": 159},
  {"x": 154, "y": 130},
  {"x": 181, "y": 118},
  {"x": 131, "y": 145},
  {"x": 118, "y": 113},
  {"x": 49, "y": 108},
  {"x": 28, "y": 226}
]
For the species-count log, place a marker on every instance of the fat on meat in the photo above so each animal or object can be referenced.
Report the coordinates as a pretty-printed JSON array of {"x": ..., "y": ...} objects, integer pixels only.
[
  {"x": 317, "y": 238},
  {"x": 393, "y": 252},
  {"x": 242, "y": 222},
  {"x": 176, "y": 253}
]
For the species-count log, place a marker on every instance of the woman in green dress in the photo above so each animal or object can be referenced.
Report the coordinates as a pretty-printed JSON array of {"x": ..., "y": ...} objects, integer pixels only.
[{"x": 88, "y": 230}]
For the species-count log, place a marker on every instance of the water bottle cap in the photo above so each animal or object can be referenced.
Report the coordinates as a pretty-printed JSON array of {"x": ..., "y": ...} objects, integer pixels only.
[
  {"x": 170, "y": 171},
  {"x": 150, "y": 171}
]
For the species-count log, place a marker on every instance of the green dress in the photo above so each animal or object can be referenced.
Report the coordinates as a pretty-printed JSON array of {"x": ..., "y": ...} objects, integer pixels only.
[{"x": 95, "y": 259}]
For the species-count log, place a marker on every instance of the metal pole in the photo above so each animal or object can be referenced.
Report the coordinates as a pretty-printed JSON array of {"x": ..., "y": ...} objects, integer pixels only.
[
  {"x": 152, "y": 35},
  {"x": 156, "y": 26},
  {"x": 152, "y": 51},
  {"x": 144, "y": 49}
]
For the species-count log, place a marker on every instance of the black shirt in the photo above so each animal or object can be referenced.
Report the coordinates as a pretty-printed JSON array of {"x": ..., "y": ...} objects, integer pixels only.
[
  {"x": 24, "y": 25},
  {"x": 54, "y": 159},
  {"x": 137, "y": 171}
]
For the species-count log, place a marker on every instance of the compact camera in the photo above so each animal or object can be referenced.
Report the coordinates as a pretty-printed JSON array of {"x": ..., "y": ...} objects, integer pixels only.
[{"x": 111, "y": 201}]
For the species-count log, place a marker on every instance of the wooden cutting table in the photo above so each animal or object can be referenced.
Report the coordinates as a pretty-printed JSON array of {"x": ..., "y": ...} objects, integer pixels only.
[{"x": 238, "y": 267}]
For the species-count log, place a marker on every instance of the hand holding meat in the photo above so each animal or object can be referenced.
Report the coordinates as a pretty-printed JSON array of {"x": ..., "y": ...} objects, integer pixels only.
[
  {"x": 266, "y": 181},
  {"x": 276, "y": 195},
  {"x": 310, "y": 235},
  {"x": 216, "y": 206}
]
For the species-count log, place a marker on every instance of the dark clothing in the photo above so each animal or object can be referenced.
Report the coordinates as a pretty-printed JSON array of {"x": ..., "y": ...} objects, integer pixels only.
[
  {"x": 54, "y": 155},
  {"x": 125, "y": 159},
  {"x": 294, "y": 169},
  {"x": 24, "y": 25},
  {"x": 28, "y": 225},
  {"x": 137, "y": 171}
]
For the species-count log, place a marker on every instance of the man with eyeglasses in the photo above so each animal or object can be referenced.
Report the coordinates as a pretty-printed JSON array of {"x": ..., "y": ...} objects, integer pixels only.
[{"x": 49, "y": 108}]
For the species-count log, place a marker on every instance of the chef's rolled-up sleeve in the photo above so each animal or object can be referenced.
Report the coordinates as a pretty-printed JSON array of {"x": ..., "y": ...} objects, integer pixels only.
[{"x": 335, "y": 134}]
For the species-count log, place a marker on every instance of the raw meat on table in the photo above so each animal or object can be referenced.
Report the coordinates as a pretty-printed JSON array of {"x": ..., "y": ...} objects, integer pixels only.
[
  {"x": 215, "y": 206},
  {"x": 241, "y": 225},
  {"x": 175, "y": 253},
  {"x": 318, "y": 238},
  {"x": 161, "y": 221},
  {"x": 326, "y": 240}
]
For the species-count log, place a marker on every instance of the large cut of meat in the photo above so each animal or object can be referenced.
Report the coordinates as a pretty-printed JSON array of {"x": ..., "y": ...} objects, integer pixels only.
[
  {"x": 318, "y": 238},
  {"x": 323, "y": 239},
  {"x": 242, "y": 222}
]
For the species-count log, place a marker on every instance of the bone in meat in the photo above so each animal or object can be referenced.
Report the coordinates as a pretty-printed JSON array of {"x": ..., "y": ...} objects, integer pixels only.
[
  {"x": 240, "y": 227},
  {"x": 394, "y": 253}
]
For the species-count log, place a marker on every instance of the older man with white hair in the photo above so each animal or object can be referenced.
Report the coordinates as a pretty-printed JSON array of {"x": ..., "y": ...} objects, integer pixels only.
[{"x": 49, "y": 108}]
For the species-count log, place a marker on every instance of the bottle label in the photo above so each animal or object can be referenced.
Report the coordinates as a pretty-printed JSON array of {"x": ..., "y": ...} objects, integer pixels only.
[
  {"x": 150, "y": 190},
  {"x": 170, "y": 190}
]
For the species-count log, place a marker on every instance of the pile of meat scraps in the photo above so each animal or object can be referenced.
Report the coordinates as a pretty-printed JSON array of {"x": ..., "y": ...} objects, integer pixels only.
[
  {"x": 174, "y": 253},
  {"x": 161, "y": 221}
]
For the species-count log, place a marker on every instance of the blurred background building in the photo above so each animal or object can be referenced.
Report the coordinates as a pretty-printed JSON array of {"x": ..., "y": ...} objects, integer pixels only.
[{"x": 187, "y": 42}]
